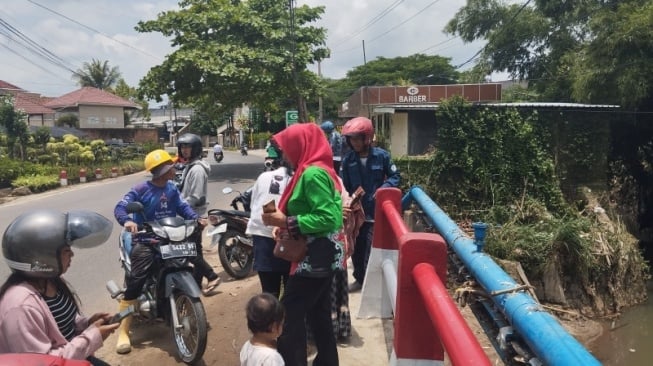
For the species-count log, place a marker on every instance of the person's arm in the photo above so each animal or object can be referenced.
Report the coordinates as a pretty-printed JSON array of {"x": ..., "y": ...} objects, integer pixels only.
[
  {"x": 28, "y": 327},
  {"x": 324, "y": 209},
  {"x": 183, "y": 208},
  {"x": 393, "y": 176},
  {"x": 194, "y": 192},
  {"x": 344, "y": 173},
  {"x": 120, "y": 211}
]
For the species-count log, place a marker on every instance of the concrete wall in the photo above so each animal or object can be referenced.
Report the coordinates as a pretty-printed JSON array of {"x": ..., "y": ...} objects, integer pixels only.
[
  {"x": 101, "y": 117},
  {"x": 399, "y": 134}
]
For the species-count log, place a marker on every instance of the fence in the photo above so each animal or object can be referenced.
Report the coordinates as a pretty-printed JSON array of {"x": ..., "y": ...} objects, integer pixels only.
[
  {"x": 405, "y": 277},
  {"x": 550, "y": 342}
]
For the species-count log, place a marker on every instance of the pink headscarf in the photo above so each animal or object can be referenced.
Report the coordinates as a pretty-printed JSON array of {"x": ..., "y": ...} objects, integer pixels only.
[{"x": 304, "y": 145}]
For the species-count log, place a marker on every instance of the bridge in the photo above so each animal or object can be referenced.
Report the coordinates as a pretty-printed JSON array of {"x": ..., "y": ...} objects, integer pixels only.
[{"x": 405, "y": 282}]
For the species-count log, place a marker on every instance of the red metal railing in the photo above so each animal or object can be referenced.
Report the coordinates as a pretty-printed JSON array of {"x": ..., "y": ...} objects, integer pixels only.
[{"x": 426, "y": 320}]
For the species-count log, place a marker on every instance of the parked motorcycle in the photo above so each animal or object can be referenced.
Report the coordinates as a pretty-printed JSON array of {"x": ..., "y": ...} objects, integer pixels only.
[
  {"x": 243, "y": 149},
  {"x": 170, "y": 292},
  {"x": 270, "y": 164},
  {"x": 218, "y": 156},
  {"x": 235, "y": 248}
]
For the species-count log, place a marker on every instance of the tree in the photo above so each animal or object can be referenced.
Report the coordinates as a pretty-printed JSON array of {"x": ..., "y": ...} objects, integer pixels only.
[
  {"x": 231, "y": 52},
  {"x": 125, "y": 91},
  {"x": 15, "y": 125},
  {"x": 415, "y": 69},
  {"x": 97, "y": 74},
  {"x": 585, "y": 51}
]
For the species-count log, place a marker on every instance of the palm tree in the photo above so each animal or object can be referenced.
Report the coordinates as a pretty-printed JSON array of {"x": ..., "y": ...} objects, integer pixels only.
[{"x": 97, "y": 74}]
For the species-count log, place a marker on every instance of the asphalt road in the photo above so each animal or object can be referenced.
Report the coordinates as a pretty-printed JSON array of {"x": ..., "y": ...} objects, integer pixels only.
[{"x": 92, "y": 268}]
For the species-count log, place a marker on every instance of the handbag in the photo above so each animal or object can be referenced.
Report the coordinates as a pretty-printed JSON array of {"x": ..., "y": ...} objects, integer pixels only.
[{"x": 289, "y": 247}]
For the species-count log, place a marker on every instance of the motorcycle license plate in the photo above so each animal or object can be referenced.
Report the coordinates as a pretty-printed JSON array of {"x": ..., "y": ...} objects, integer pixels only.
[
  {"x": 187, "y": 249},
  {"x": 218, "y": 229}
]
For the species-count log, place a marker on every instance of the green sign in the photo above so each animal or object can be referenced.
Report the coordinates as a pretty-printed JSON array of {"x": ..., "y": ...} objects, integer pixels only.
[{"x": 292, "y": 117}]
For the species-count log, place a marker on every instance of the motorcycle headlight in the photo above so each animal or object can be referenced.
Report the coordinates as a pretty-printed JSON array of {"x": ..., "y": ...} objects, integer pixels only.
[
  {"x": 189, "y": 230},
  {"x": 177, "y": 233}
]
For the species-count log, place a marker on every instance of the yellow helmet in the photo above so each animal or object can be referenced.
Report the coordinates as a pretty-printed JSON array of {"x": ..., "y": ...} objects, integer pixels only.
[{"x": 156, "y": 158}]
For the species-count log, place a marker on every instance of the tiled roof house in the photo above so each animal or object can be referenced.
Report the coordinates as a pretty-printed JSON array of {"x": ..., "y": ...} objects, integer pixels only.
[
  {"x": 31, "y": 104},
  {"x": 95, "y": 108}
]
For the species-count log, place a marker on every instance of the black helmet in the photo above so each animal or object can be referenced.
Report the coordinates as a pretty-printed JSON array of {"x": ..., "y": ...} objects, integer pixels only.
[
  {"x": 194, "y": 141},
  {"x": 33, "y": 242}
]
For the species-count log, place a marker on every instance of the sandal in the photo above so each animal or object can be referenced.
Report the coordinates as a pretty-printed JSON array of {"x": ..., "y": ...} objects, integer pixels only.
[{"x": 211, "y": 286}]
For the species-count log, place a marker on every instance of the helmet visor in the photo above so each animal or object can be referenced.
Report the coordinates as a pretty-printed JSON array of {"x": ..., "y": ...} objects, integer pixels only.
[{"x": 87, "y": 229}]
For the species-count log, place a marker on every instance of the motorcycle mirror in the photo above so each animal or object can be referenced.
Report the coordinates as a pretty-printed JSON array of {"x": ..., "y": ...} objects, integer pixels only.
[
  {"x": 134, "y": 207},
  {"x": 227, "y": 190}
]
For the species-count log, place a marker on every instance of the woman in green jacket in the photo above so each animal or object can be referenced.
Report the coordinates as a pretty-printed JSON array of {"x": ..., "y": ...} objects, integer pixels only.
[{"x": 311, "y": 206}]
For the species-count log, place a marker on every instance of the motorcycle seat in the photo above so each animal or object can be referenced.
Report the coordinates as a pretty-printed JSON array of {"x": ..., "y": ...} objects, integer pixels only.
[{"x": 234, "y": 213}]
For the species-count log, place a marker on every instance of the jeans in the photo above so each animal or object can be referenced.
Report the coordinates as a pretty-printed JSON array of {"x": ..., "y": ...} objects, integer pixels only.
[{"x": 362, "y": 249}]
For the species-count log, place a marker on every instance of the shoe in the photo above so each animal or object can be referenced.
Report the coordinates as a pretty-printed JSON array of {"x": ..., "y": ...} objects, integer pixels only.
[
  {"x": 123, "y": 345},
  {"x": 209, "y": 290},
  {"x": 355, "y": 287}
]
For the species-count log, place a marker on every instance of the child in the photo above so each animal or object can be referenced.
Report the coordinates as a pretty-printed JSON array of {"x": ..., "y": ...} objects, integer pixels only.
[{"x": 265, "y": 316}]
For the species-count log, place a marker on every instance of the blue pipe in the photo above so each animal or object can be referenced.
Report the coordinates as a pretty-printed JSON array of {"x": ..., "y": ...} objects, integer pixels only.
[{"x": 541, "y": 331}]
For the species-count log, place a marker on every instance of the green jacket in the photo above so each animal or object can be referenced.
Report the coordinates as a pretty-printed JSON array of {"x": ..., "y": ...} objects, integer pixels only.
[
  {"x": 316, "y": 205},
  {"x": 316, "y": 202}
]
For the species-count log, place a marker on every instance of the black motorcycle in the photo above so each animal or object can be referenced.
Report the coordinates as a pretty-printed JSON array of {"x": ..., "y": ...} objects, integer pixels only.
[
  {"x": 170, "y": 292},
  {"x": 243, "y": 149},
  {"x": 218, "y": 156},
  {"x": 235, "y": 248}
]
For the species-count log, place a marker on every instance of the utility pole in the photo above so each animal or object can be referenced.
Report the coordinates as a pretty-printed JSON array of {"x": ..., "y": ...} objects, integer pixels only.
[{"x": 320, "y": 116}]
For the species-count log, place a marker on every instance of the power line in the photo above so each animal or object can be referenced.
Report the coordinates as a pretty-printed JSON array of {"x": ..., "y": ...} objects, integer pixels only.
[
  {"x": 95, "y": 30},
  {"x": 375, "y": 19},
  {"x": 28, "y": 44},
  {"x": 419, "y": 12}
]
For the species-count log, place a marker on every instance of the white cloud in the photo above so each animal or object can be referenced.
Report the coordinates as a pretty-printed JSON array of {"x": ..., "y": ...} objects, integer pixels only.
[{"x": 113, "y": 37}]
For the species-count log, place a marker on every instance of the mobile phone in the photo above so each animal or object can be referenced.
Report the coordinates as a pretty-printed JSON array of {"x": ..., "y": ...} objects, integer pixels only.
[
  {"x": 118, "y": 317},
  {"x": 270, "y": 206}
]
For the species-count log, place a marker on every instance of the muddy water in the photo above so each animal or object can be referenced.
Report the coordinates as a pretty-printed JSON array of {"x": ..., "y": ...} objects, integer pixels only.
[{"x": 629, "y": 341}]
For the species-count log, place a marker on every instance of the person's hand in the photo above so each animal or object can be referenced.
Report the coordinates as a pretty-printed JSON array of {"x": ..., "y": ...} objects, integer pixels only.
[
  {"x": 276, "y": 218},
  {"x": 131, "y": 226},
  {"x": 104, "y": 316},
  {"x": 346, "y": 213},
  {"x": 203, "y": 221},
  {"x": 276, "y": 233},
  {"x": 105, "y": 329}
]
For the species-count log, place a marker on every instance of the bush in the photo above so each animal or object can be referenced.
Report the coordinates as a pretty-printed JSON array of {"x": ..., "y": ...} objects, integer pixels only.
[{"x": 37, "y": 183}]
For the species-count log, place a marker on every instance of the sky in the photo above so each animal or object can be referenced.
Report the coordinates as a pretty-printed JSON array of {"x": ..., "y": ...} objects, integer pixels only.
[{"x": 77, "y": 31}]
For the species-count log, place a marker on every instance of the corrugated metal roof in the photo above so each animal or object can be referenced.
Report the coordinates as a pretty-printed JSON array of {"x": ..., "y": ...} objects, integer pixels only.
[
  {"x": 552, "y": 105},
  {"x": 389, "y": 108}
]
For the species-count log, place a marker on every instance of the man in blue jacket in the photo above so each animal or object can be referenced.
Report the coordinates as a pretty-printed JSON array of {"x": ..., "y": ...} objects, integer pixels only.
[{"x": 371, "y": 168}]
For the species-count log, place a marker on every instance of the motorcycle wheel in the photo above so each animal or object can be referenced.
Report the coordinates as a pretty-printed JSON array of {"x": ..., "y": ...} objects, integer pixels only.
[
  {"x": 236, "y": 260},
  {"x": 190, "y": 338}
]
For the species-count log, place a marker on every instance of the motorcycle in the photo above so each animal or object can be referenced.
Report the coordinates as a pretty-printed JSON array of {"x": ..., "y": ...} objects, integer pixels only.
[
  {"x": 235, "y": 248},
  {"x": 270, "y": 164},
  {"x": 170, "y": 292},
  {"x": 179, "y": 173},
  {"x": 218, "y": 156},
  {"x": 243, "y": 149}
]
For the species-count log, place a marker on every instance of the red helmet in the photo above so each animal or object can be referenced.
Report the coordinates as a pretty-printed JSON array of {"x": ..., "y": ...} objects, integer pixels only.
[{"x": 359, "y": 126}]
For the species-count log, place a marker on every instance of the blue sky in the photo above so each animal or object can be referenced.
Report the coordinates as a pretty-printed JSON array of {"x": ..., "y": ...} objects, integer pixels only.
[{"x": 104, "y": 30}]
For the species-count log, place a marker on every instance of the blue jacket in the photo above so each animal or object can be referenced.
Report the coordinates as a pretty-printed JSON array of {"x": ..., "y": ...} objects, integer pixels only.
[
  {"x": 378, "y": 172},
  {"x": 159, "y": 202}
]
